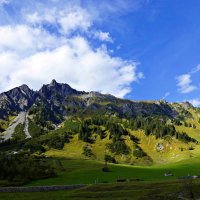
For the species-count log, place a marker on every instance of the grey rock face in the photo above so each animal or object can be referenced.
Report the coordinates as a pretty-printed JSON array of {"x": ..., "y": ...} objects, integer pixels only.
[{"x": 16, "y": 100}]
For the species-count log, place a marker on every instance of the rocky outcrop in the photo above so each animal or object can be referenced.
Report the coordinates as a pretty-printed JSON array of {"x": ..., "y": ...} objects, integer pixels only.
[
  {"x": 55, "y": 91},
  {"x": 16, "y": 100}
]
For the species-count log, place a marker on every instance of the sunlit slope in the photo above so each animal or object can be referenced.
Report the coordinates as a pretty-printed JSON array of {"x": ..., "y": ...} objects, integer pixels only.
[
  {"x": 173, "y": 150},
  {"x": 154, "y": 150},
  {"x": 159, "y": 150}
]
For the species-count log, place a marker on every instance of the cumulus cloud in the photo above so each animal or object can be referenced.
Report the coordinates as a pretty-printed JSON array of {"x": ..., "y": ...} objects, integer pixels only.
[
  {"x": 77, "y": 64},
  {"x": 103, "y": 36},
  {"x": 184, "y": 83},
  {"x": 32, "y": 54},
  {"x": 66, "y": 20},
  {"x": 25, "y": 39}
]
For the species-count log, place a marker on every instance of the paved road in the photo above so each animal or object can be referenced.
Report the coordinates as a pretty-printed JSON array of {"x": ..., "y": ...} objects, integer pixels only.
[{"x": 22, "y": 118}]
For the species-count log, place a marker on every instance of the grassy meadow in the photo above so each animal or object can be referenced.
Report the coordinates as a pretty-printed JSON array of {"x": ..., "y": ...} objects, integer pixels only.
[
  {"x": 168, "y": 190},
  {"x": 89, "y": 172}
]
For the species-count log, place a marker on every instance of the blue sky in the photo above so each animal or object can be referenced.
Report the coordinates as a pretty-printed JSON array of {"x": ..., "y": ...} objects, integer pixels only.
[{"x": 136, "y": 49}]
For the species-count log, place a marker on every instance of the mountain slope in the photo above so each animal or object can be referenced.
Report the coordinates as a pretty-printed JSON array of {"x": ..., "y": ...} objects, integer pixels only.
[
  {"x": 16, "y": 100},
  {"x": 65, "y": 122}
]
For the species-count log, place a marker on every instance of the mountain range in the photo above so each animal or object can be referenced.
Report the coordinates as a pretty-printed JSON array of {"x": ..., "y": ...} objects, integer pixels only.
[
  {"x": 84, "y": 124},
  {"x": 63, "y": 100}
]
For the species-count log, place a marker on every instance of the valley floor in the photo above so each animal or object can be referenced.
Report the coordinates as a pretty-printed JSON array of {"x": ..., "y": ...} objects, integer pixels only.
[{"x": 90, "y": 172}]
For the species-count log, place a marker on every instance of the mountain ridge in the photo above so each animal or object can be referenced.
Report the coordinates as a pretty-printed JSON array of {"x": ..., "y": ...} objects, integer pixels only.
[{"x": 60, "y": 96}]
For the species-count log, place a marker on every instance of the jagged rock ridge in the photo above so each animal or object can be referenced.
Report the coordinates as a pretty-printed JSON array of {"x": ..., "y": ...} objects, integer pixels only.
[{"x": 62, "y": 100}]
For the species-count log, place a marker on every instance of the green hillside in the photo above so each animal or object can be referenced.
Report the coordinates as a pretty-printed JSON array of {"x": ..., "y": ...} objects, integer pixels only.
[
  {"x": 83, "y": 145},
  {"x": 152, "y": 149}
]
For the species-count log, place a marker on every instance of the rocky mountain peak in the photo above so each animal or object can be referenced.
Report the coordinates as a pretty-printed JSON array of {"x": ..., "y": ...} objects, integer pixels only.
[
  {"x": 55, "y": 89},
  {"x": 53, "y": 83},
  {"x": 24, "y": 87}
]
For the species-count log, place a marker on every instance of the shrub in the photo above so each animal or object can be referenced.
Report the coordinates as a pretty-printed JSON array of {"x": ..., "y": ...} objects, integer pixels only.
[
  {"x": 110, "y": 159},
  {"x": 87, "y": 151},
  {"x": 119, "y": 147},
  {"x": 21, "y": 168},
  {"x": 34, "y": 129},
  {"x": 19, "y": 134},
  {"x": 138, "y": 152},
  {"x": 34, "y": 146}
]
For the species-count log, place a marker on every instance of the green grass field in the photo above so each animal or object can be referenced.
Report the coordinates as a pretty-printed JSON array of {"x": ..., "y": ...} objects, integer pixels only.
[
  {"x": 168, "y": 190},
  {"x": 89, "y": 171}
]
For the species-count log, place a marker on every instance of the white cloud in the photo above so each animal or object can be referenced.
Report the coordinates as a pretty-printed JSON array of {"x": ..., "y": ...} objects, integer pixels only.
[
  {"x": 195, "y": 102},
  {"x": 77, "y": 18},
  {"x": 66, "y": 20},
  {"x": 8, "y": 63},
  {"x": 103, "y": 36},
  {"x": 25, "y": 39},
  {"x": 32, "y": 54},
  {"x": 74, "y": 61},
  {"x": 184, "y": 83}
]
